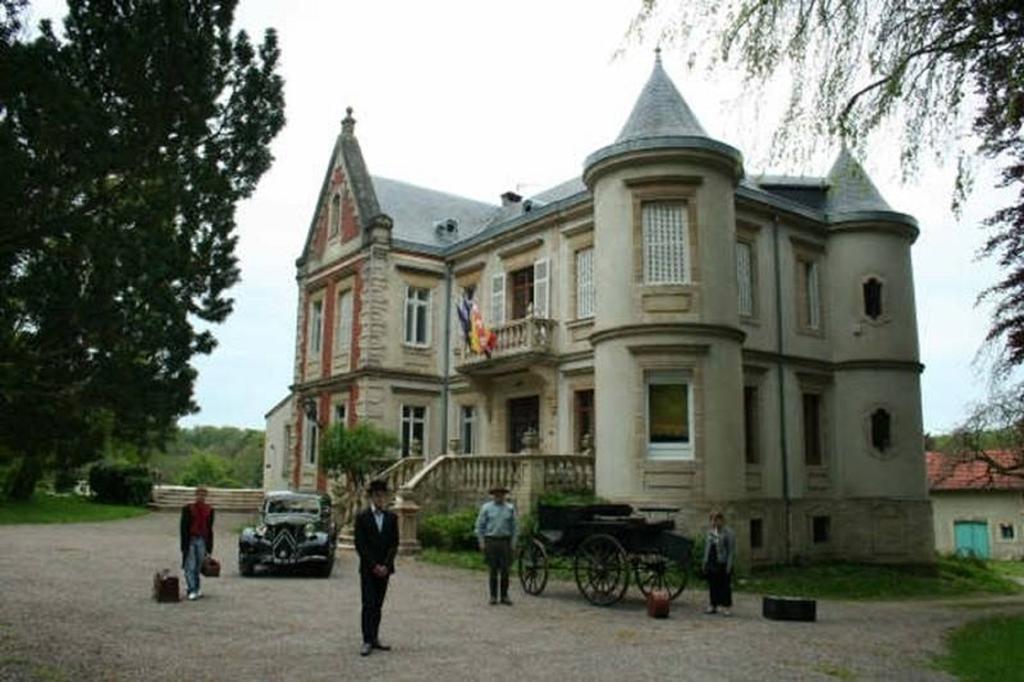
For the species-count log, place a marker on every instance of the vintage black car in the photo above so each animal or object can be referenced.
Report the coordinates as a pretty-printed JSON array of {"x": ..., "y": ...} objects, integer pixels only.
[{"x": 294, "y": 530}]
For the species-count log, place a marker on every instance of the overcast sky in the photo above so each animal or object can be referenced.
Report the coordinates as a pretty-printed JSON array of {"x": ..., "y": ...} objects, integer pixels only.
[{"x": 477, "y": 98}]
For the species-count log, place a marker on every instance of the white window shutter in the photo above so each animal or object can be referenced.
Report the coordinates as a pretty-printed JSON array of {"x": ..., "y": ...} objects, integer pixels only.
[
  {"x": 498, "y": 299},
  {"x": 541, "y": 288},
  {"x": 744, "y": 280},
  {"x": 585, "y": 283},
  {"x": 813, "y": 297}
]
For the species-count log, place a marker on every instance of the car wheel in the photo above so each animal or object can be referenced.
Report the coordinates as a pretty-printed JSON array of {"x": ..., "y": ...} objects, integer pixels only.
[
  {"x": 324, "y": 571},
  {"x": 246, "y": 568}
]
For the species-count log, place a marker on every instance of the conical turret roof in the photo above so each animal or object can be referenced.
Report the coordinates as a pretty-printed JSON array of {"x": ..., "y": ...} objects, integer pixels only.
[
  {"x": 660, "y": 110},
  {"x": 850, "y": 189}
]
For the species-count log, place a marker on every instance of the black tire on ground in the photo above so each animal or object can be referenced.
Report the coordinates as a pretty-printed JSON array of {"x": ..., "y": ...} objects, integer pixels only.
[
  {"x": 533, "y": 567},
  {"x": 789, "y": 608},
  {"x": 324, "y": 570},
  {"x": 602, "y": 569},
  {"x": 245, "y": 567},
  {"x": 652, "y": 570}
]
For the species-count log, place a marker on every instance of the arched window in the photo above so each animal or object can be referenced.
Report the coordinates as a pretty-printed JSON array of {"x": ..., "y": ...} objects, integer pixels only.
[
  {"x": 873, "y": 298},
  {"x": 335, "y": 216},
  {"x": 881, "y": 430}
]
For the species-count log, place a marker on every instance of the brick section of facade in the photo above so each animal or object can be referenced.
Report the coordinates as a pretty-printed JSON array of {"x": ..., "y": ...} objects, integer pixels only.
[{"x": 349, "y": 222}]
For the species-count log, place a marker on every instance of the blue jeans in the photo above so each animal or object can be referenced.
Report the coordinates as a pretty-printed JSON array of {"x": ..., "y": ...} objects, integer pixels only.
[{"x": 193, "y": 560}]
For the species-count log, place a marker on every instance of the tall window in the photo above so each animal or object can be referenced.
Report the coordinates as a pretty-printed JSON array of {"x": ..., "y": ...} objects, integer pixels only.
[
  {"x": 872, "y": 298},
  {"x": 417, "y": 316},
  {"x": 316, "y": 320},
  {"x": 812, "y": 429},
  {"x": 669, "y": 416},
  {"x": 312, "y": 436},
  {"x": 468, "y": 428},
  {"x": 745, "y": 278},
  {"x": 810, "y": 293},
  {"x": 340, "y": 414},
  {"x": 750, "y": 426},
  {"x": 521, "y": 284},
  {"x": 498, "y": 298},
  {"x": 343, "y": 328},
  {"x": 584, "y": 416},
  {"x": 756, "y": 533},
  {"x": 665, "y": 247},
  {"x": 414, "y": 420},
  {"x": 335, "y": 216},
  {"x": 585, "y": 283}
]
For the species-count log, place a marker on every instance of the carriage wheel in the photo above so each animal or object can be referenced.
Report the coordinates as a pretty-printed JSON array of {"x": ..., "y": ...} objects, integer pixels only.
[
  {"x": 533, "y": 567},
  {"x": 602, "y": 570},
  {"x": 655, "y": 571}
]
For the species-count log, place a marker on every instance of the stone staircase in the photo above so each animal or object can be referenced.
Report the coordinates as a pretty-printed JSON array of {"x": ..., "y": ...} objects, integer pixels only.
[{"x": 174, "y": 497}]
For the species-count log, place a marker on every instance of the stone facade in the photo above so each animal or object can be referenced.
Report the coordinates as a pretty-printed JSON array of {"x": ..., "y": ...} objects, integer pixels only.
[{"x": 725, "y": 342}]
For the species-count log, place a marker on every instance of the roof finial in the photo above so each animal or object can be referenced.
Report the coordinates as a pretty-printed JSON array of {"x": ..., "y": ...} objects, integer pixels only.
[
  {"x": 657, "y": 55},
  {"x": 348, "y": 124}
]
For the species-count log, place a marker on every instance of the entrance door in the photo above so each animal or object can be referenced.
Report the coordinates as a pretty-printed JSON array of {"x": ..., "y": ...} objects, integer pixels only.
[
  {"x": 523, "y": 414},
  {"x": 971, "y": 538}
]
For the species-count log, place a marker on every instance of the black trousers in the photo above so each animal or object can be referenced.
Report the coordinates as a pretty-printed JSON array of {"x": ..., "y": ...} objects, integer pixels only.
[
  {"x": 498, "y": 555},
  {"x": 373, "y": 589},
  {"x": 719, "y": 585}
]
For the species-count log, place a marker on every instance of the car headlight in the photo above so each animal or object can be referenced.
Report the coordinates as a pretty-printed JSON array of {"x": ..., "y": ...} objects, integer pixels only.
[
  {"x": 310, "y": 530},
  {"x": 261, "y": 530}
]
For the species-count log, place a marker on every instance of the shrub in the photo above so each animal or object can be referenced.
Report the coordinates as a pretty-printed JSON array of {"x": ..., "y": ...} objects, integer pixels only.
[
  {"x": 120, "y": 483},
  {"x": 65, "y": 480},
  {"x": 451, "y": 532},
  {"x": 204, "y": 468},
  {"x": 570, "y": 498}
]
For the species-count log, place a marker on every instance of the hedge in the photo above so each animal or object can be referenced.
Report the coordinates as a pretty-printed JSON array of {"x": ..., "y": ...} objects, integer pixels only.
[{"x": 120, "y": 483}]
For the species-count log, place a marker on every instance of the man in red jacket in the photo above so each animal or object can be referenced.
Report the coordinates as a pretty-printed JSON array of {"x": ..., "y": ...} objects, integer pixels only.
[{"x": 196, "y": 540}]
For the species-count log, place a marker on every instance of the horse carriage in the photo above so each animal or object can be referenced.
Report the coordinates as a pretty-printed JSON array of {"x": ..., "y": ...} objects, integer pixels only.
[{"x": 608, "y": 543}]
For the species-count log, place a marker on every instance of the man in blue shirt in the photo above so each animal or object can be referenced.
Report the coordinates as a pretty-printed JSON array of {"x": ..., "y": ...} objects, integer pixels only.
[{"x": 496, "y": 533}]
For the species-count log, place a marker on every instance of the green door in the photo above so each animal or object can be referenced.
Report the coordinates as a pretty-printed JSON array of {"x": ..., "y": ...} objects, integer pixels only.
[{"x": 971, "y": 538}]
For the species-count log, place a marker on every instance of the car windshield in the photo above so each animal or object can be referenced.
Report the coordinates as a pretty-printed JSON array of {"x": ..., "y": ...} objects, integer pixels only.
[{"x": 293, "y": 506}]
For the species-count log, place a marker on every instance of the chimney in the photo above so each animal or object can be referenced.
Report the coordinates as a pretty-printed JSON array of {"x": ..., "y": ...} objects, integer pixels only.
[{"x": 509, "y": 198}]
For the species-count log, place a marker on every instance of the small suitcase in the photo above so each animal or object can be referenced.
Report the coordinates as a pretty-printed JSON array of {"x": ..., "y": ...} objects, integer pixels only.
[
  {"x": 789, "y": 608},
  {"x": 658, "y": 604},
  {"x": 165, "y": 587},
  {"x": 210, "y": 567}
]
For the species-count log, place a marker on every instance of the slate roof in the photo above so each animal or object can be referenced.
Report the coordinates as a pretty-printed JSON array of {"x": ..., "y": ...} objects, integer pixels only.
[
  {"x": 850, "y": 190},
  {"x": 660, "y": 111},
  {"x": 947, "y": 473},
  {"x": 416, "y": 212}
]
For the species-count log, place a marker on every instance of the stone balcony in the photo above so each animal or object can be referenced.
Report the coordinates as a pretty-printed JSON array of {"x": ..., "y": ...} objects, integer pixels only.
[{"x": 521, "y": 344}]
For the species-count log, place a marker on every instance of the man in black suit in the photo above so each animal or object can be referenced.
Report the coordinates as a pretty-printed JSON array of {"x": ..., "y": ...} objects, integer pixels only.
[{"x": 376, "y": 531}]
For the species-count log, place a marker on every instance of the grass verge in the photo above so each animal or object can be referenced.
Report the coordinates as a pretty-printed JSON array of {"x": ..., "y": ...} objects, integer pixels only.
[
  {"x": 987, "y": 649},
  {"x": 947, "y": 577},
  {"x": 44, "y": 508}
]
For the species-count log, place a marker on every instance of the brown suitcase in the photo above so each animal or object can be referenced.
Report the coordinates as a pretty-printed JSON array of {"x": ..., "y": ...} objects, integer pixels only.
[
  {"x": 658, "y": 604},
  {"x": 210, "y": 567},
  {"x": 165, "y": 587}
]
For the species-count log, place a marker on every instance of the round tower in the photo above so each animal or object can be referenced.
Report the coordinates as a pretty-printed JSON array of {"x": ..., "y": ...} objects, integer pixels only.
[
  {"x": 875, "y": 345},
  {"x": 667, "y": 343}
]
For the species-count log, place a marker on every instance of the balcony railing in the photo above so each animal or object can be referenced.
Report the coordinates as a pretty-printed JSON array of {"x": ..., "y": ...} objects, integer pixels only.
[{"x": 520, "y": 341}]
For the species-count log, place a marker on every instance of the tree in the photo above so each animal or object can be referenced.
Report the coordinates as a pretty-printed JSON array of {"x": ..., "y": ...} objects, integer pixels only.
[
  {"x": 125, "y": 146},
  {"x": 349, "y": 455},
  {"x": 937, "y": 69},
  {"x": 993, "y": 434}
]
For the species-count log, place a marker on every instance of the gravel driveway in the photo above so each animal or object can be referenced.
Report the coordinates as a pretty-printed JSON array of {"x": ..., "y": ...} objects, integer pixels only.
[{"x": 75, "y": 604}]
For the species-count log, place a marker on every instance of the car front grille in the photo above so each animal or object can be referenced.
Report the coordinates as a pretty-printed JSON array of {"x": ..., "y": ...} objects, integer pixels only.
[{"x": 284, "y": 540}]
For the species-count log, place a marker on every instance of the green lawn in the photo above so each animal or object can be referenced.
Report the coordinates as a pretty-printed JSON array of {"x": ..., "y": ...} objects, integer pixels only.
[
  {"x": 988, "y": 649},
  {"x": 948, "y": 577},
  {"x": 44, "y": 508},
  {"x": 1014, "y": 569}
]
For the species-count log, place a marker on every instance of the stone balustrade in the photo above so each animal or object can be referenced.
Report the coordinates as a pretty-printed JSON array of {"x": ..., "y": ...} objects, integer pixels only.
[
  {"x": 452, "y": 482},
  {"x": 530, "y": 335}
]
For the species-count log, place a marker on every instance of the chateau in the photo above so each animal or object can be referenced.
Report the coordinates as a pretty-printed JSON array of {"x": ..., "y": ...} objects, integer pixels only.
[{"x": 719, "y": 340}]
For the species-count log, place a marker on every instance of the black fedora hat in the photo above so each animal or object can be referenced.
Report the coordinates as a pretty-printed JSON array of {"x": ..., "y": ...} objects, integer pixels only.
[
  {"x": 499, "y": 488},
  {"x": 377, "y": 485}
]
